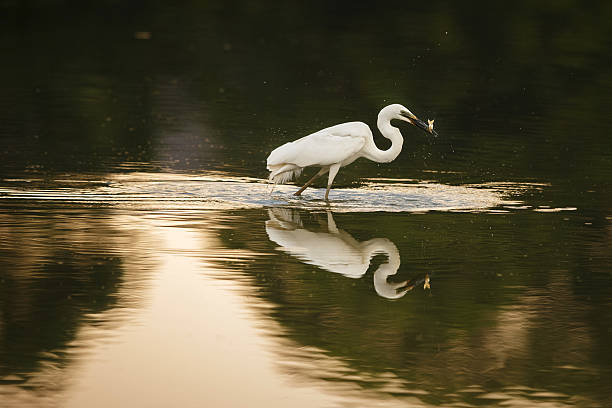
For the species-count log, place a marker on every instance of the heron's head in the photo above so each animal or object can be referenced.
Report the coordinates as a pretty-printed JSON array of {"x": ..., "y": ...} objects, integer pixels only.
[{"x": 397, "y": 111}]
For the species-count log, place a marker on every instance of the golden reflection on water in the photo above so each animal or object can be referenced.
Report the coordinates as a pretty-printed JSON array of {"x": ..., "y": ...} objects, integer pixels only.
[{"x": 196, "y": 343}]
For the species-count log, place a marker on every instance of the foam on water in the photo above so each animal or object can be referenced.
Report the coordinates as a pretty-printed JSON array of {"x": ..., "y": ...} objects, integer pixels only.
[{"x": 217, "y": 191}]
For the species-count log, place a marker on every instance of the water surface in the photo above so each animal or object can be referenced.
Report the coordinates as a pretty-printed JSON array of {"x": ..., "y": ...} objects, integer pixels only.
[{"x": 142, "y": 250}]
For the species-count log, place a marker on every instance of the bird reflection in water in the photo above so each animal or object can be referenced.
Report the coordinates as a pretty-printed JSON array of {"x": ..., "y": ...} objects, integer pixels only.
[{"x": 337, "y": 251}]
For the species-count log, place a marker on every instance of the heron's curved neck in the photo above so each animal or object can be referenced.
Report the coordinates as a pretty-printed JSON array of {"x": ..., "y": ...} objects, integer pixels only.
[
  {"x": 383, "y": 287},
  {"x": 383, "y": 246},
  {"x": 390, "y": 132}
]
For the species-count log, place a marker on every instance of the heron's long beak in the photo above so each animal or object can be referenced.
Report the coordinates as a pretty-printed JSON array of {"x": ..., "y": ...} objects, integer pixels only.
[
  {"x": 404, "y": 287},
  {"x": 410, "y": 118}
]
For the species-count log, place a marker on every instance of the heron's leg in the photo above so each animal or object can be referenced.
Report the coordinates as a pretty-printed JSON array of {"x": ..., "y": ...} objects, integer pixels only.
[
  {"x": 309, "y": 182},
  {"x": 331, "y": 224},
  {"x": 333, "y": 170}
]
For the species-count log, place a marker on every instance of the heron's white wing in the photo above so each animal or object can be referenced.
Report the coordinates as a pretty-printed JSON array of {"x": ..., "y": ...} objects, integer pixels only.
[
  {"x": 327, "y": 251},
  {"x": 323, "y": 148}
]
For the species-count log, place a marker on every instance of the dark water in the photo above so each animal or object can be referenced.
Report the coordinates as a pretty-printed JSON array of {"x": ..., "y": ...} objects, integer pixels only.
[{"x": 145, "y": 262}]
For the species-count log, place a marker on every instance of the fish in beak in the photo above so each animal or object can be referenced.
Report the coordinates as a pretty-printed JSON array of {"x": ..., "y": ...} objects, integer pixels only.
[{"x": 412, "y": 119}]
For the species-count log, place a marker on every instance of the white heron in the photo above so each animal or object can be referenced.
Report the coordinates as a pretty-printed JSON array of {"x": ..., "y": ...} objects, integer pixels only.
[{"x": 340, "y": 145}]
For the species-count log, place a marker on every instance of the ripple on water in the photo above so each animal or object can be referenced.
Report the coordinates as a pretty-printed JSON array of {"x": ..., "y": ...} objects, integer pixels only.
[{"x": 146, "y": 190}]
